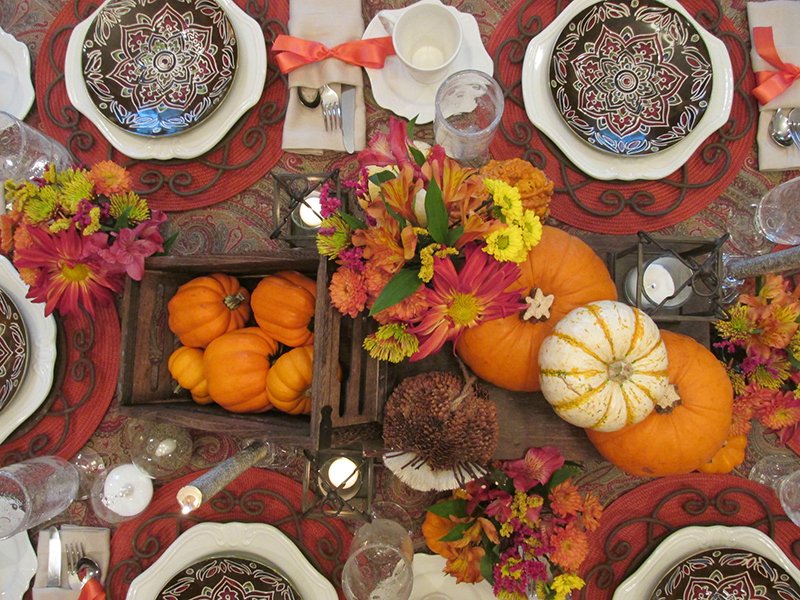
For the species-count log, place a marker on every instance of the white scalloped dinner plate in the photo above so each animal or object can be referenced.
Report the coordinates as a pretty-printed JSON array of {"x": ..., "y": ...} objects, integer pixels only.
[
  {"x": 689, "y": 541},
  {"x": 245, "y": 92},
  {"x": 42, "y": 353},
  {"x": 207, "y": 540},
  {"x": 429, "y": 577},
  {"x": 17, "y": 565},
  {"x": 543, "y": 113},
  {"x": 396, "y": 90},
  {"x": 16, "y": 87}
]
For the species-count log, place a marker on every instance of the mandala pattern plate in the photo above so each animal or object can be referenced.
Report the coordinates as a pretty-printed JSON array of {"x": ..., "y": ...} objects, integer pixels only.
[
  {"x": 159, "y": 68},
  {"x": 630, "y": 78},
  {"x": 13, "y": 349},
  {"x": 228, "y": 578},
  {"x": 727, "y": 574}
]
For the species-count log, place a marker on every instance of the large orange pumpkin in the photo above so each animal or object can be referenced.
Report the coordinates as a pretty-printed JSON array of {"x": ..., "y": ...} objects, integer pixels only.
[
  {"x": 283, "y": 305},
  {"x": 505, "y": 352},
  {"x": 206, "y": 307},
  {"x": 186, "y": 366},
  {"x": 688, "y": 436},
  {"x": 237, "y": 364}
]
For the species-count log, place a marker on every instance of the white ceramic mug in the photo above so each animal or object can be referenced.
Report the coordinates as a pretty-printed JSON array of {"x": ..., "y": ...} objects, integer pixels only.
[{"x": 427, "y": 38}]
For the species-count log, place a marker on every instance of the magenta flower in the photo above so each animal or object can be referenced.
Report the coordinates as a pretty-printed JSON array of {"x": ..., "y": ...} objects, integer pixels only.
[
  {"x": 128, "y": 253},
  {"x": 535, "y": 468},
  {"x": 384, "y": 150}
]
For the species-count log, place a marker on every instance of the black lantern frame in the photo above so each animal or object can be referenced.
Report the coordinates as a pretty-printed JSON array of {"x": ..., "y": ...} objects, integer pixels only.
[{"x": 290, "y": 194}]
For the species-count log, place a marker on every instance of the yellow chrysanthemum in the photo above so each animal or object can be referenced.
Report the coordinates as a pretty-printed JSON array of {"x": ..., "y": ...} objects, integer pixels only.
[
  {"x": 391, "y": 342},
  {"x": 73, "y": 191},
  {"x": 506, "y": 198},
  {"x": 131, "y": 201},
  {"x": 531, "y": 227},
  {"x": 506, "y": 244},
  {"x": 566, "y": 582},
  {"x": 333, "y": 236},
  {"x": 739, "y": 327},
  {"x": 42, "y": 207}
]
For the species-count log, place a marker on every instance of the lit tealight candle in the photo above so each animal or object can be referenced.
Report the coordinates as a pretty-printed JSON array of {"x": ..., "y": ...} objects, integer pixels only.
[
  {"x": 309, "y": 211},
  {"x": 661, "y": 279},
  {"x": 127, "y": 491},
  {"x": 343, "y": 474}
]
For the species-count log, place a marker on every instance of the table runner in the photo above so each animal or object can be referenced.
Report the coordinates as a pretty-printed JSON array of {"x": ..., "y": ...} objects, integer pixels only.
[
  {"x": 634, "y": 524},
  {"x": 258, "y": 495},
  {"x": 92, "y": 356},
  {"x": 251, "y": 149},
  {"x": 613, "y": 206}
]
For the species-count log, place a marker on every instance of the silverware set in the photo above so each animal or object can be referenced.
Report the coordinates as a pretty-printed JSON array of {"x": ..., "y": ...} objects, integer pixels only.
[
  {"x": 784, "y": 127},
  {"x": 79, "y": 567},
  {"x": 338, "y": 113},
  {"x": 331, "y": 108}
]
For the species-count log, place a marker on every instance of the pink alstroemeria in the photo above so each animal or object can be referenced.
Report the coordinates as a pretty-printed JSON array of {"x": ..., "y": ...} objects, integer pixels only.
[
  {"x": 127, "y": 253},
  {"x": 535, "y": 468},
  {"x": 460, "y": 300},
  {"x": 384, "y": 150}
]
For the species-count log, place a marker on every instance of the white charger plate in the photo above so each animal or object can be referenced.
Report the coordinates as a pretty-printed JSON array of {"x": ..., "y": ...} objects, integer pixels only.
[
  {"x": 18, "y": 564},
  {"x": 429, "y": 577},
  {"x": 206, "y": 540},
  {"x": 689, "y": 541},
  {"x": 543, "y": 113},
  {"x": 245, "y": 92},
  {"x": 42, "y": 348},
  {"x": 396, "y": 90},
  {"x": 16, "y": 87}
]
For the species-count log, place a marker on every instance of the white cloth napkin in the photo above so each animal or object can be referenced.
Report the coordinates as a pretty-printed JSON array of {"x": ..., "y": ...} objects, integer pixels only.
[
  {"x": 96, "y": 543},
  {"x": 783, "y": 16},
  {"x": 330, "y": 23}
]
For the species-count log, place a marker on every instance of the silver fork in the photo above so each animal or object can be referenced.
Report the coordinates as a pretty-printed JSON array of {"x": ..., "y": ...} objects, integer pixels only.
[
  {"x": 74, "y": 553},
  {"x": 331, "y": 109}
]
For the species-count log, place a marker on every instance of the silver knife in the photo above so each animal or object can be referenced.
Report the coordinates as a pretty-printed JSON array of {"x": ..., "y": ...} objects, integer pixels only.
[
  {"x": 54, "y": 558},
  {"x": 349, "y": 117}
]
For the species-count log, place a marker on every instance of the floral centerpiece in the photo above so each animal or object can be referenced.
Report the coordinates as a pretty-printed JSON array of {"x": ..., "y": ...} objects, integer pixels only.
[
  {"x": 435, "y": 246},
  {"x": 760, "y": 345},
  {"x": 523, "y": 527},
  {"x": 75, "y": 234}
]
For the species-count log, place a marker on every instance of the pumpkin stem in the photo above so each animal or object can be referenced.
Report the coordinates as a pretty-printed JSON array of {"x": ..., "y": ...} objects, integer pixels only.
[
  {"x": 233, "y": 301},
  {"x": 670, "y": 400},
  {"x": 620, "y": 371},
  {"x": 469, "y": 380},
  {"x": 538, "y": 305}
]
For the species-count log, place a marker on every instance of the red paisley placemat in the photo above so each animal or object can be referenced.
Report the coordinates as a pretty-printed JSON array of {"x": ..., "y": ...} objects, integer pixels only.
[
  {"x": 91, "y": 377},
  {"x": 176, "y": 184},
  {"x": 633, "y": 525},
  {"x": 258, "y": 495},
  {"x": 707, "y": 174}
]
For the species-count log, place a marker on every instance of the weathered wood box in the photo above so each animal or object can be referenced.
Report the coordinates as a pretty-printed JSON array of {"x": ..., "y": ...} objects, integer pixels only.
[{"x": 147, "y": 390}]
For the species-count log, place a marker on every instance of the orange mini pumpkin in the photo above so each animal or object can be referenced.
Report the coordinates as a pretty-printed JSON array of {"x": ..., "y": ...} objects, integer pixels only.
[
  {"x": 505, "y": 352},
  {"x": 206, "y": 307},
  {"x": 730, "y": 456},
  {"x": 289, "y": 381},
  {"x": 688, "y": 436},
  {"x": 186, "y": 366},
  {"x": 283, "y": 305},
  {"x": 237, "y": 365}
]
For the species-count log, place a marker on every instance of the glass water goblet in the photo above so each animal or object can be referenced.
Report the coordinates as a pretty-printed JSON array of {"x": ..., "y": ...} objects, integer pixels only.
[
  {"x": 26, "y": 152},
  {"x": 377, "y": 572},
  {"x": 782, "y": 474}
]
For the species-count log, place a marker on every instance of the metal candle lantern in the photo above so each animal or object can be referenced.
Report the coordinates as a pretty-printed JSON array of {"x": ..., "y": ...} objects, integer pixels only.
[
  {"x": 296, "y": 206},
  {"x": 340, "y": 479},
  {"x": 673, "y": 278}
]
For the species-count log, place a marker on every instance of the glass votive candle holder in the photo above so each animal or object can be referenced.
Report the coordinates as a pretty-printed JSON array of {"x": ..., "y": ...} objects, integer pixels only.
[
  {"x": 306, "y": 214},
  {"x": 661, "y": 282},
  {"x": 343, "y": 474},
  {"x": 122, "y": 493}
]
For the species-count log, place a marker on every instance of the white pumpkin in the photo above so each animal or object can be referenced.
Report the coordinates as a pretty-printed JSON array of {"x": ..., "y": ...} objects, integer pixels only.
[{"x": 604, "y": 366}]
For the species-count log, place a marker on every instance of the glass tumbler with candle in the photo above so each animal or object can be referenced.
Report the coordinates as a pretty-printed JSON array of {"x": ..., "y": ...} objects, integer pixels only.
[
  {"x": 34, "y": 491},
  {"x": 468, "y": 108}
]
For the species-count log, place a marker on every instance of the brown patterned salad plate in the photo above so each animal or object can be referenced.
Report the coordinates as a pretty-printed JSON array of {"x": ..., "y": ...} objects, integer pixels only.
[
  {"x": 727, "y": 574},
  {"x": 228, "y": 578},
  {"x": 13, "y": 349},
  {"x": 159, "y": 68},
  {"x": 630, "y": 78}
]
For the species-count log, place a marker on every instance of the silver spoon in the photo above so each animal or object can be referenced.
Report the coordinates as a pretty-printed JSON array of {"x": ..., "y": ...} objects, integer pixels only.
[
  {"x": 780, "y": 129},
  {"x": 794, "y": 126},
  {"x": 87, "y": 569}
]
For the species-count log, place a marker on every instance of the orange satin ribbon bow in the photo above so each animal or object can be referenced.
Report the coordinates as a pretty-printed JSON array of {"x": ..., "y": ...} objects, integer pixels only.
[
  {"x": 92, "y": 590},
  {"x": 771, "y": 83},
  {"x": 295, "y": 52}
]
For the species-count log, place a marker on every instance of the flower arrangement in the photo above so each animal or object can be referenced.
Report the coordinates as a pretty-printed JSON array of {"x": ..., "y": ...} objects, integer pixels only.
[
  {"x": 75, "y": 234},
  {"x": 523, "y": 527},
  {"x": 436, "y": 245},
  {"x": 760, "y": 345}
]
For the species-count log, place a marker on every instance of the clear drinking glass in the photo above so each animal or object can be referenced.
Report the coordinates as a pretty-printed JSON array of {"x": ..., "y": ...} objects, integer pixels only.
[
  {"x": 777, "y": 215},
  {"x": 25, "y": 152},
  {"x": 782, "y": 474},
  {"x": 35, "y": 490},
  {"x": 469, "y": 106},
  {"x": 377, "y": 572}
]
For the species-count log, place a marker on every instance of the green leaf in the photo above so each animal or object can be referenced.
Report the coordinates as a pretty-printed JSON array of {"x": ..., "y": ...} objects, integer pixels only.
[
  {"x": 410, "y": 127},
  {"x": 456, "y": 507},
  {"x": 436, "y": 213},
  {"x": 564, "y": 473},
  {"x": 352, "y": 221},
  {"x": 456, "y": 533},
  {"x": 486, "y": 568},
  {"x": 404, "y": 283},
  {"x": 793, "y": 361},
  {"x": 382, "y": 177},
  {"x": 122, "y": 220},
  {"x": 169, "y": 242},
  {"x": 417, "y": 155},
  {"x": 453, "y": 235},
  {"x": 397, "y": 216}
]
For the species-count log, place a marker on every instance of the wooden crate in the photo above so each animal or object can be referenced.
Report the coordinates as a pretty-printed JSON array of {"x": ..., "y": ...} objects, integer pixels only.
[{"x": 146, "y": 388}]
